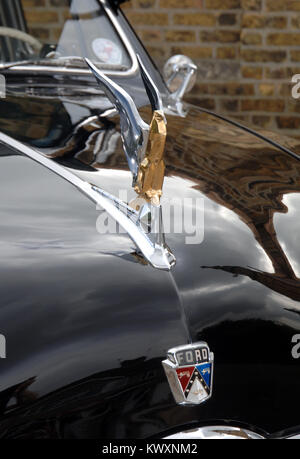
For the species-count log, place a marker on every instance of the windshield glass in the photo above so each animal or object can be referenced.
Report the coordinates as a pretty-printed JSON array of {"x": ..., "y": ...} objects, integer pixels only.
[{"x": 59, "y": 32}]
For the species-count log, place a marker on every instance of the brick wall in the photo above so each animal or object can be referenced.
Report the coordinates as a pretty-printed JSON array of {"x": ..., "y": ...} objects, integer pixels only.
[
  {"x": 45, "y": 18},
  {"x": 246, "y": 51}
]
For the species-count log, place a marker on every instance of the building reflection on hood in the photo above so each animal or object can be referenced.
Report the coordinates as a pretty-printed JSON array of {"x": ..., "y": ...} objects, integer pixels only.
[
  {"x": 232, "y": 168},
  {"x": 249, "y": 177}
]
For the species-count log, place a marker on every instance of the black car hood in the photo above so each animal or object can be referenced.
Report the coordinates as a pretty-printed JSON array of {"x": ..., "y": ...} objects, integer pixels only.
[{"x": 237, "y": 288}]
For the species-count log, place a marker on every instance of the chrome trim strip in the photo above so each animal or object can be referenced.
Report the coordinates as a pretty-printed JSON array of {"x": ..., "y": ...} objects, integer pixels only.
[
  {"x": 80, "y": 71},
  {"x": 215, "y": 433},
  {"x": 156, "y": 253}
]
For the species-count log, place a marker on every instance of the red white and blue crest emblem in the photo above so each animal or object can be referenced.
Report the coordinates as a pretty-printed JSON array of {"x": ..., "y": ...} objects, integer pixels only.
[{"x": 189, "y": 370}]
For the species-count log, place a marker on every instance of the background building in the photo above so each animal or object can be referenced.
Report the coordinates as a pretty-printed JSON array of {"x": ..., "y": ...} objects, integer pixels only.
[{"x": 247, "y": 52}]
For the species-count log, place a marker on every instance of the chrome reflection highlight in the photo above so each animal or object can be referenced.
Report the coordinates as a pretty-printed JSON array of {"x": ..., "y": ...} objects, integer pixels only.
[
  {"x": 144, "y": 147},
  {"x": 134, "y": 130},
  {"x": 180, "y": 73},
  {"x": 155, "y": 251},
  {"x": 215, "y": 433}
]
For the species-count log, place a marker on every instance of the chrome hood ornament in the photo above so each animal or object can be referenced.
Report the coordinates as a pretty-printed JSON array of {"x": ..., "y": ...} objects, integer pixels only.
[
  {"x": 134, "y": 130},
  {"x": 144, "y": 148},
  {"x": 143, "y": 144}
]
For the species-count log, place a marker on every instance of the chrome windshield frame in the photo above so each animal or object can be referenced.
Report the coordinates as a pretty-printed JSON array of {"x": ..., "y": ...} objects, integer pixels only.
[{"x": 82, "y": 71}]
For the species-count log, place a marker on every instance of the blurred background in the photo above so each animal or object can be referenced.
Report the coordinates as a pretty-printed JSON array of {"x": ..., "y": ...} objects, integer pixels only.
[{"x": 246, "y": 50}]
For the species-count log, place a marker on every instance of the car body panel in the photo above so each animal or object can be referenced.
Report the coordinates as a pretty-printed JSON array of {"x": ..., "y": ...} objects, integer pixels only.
[{"x": 88, "y": 323}]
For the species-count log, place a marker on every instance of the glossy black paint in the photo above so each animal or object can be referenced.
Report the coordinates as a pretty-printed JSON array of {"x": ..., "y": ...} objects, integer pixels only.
[{"x": 88, "y": 323}]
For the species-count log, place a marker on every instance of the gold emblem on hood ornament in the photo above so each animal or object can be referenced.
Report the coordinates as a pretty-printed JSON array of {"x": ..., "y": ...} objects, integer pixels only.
[
  {"x": 152, "y": 168},
  {"x": 144, "y": 147},
  {"x": 151, "y": 172}
]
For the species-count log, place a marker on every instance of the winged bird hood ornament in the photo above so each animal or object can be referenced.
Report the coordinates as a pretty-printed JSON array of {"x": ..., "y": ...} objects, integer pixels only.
[
  {"x": 143, "y": 144},
  {"x": 144, "y": 148}
]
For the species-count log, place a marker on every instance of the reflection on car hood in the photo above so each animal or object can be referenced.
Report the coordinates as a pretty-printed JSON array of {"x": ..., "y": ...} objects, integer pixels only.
[
  {"x": 240, "y": 286},
  {"x": 242, "y": 177}
]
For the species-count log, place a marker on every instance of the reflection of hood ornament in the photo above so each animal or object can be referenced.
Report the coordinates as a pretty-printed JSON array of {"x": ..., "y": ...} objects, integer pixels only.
[{"x": 144, "y": 147}]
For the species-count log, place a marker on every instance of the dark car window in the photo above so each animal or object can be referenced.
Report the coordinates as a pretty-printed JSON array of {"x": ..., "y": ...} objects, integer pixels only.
[{"x": 54, "y": 30}]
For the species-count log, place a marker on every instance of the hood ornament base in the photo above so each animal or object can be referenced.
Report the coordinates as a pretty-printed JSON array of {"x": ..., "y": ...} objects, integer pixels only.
[
  {"x": 151, "y": 246},
  {"x": 145, "y": 227}
]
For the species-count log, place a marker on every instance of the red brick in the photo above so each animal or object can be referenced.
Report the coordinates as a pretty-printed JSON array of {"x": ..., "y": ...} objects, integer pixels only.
[
  {"x": 282, "y": 5},
  {"x": 263, "y": 105},
  {"x": 251, "y": 5},
  {"x": 195, "y": 19},
  {"x": 263, "y": 55},
  {"x": 180, "y": 35},
  {"x": 181, "y": 4},
  {"x": 252, "y": 72},
  {"x": 223, "y": 4},
  {"x": 283, "y": 39},
  {"x": 288, "y": 122},
  {"x": 253, "y": 21},
  {"x": 194, "y": 52},
  {"x": 156, "y": 19}
]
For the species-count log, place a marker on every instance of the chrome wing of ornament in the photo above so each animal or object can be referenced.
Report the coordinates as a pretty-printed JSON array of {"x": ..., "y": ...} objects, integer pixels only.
[
  {"x": 144, "y": 145},
  {"x": 156, "y": 253},
  {"x": 134, "y": 130},
  {"x": 144, "y": 148}
]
